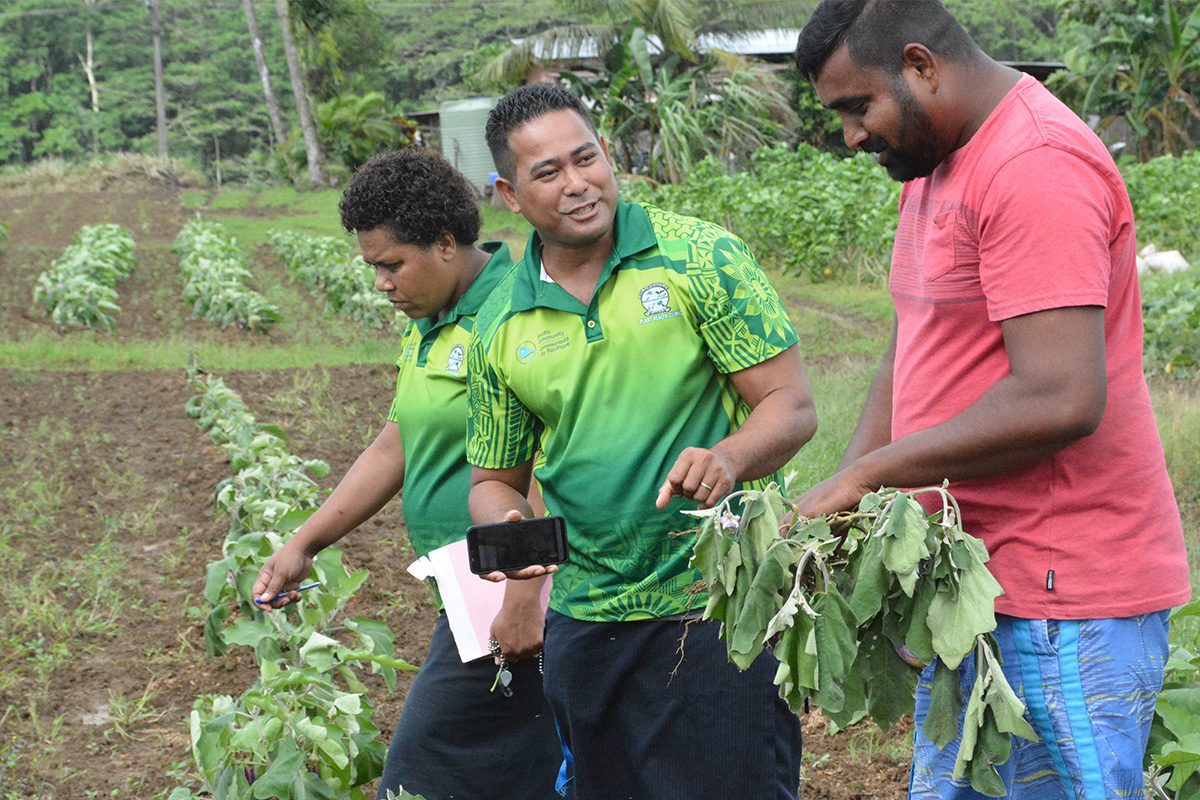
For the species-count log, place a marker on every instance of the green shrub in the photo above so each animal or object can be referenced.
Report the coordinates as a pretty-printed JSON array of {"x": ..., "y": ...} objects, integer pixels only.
[
  {"x": 214, "y": 272},
  {"x": 79, "y": 288},
  {"x": 303, "y": 729},
  {"x": 1171, "y": 318},
  {"x": 1165, "y": 193},
  {"x": 330, "y": 265},
  {"x": 802, "y": 211}
]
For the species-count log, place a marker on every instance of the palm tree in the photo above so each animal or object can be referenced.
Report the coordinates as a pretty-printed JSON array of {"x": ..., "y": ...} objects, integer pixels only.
[{"x": 663, "y": 102}]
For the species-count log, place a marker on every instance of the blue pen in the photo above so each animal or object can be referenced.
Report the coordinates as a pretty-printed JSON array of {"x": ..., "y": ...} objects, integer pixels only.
[{"x": 281, "y": 594}]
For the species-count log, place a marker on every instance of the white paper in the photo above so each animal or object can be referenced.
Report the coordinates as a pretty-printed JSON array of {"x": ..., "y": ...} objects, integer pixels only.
[{"x": 471, "y": 603}]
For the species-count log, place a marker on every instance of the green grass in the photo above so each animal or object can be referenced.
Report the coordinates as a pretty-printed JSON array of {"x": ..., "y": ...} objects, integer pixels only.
[{"x": 88, "y": 352}]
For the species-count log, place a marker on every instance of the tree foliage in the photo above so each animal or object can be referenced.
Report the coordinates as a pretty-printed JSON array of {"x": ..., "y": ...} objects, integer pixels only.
[{"x": 1137, "y": 61}]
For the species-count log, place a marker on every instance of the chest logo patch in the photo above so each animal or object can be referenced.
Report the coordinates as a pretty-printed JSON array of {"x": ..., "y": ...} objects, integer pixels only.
[
  {"x": 656, "y": 299},
  {"x": 526, "y": 351},
  {"x": 455, "y": 361}
]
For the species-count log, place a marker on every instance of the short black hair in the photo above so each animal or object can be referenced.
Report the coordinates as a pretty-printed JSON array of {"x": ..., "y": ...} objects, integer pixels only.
[
  {"x": 523, "y": 105},
  {"x": 415, "y": 195},
  {"x": 876, "y": 31}
]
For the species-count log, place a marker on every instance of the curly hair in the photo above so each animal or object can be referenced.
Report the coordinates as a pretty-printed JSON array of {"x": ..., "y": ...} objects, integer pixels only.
[
  {"x": 414, "y": 194},
  {"x": 523, "y": 105}
]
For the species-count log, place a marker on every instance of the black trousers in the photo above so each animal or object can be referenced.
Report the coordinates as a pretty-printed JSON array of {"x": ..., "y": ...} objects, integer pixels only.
[
  {"x": 646, "y": 722},
  {"x": 456, "y": 740}
]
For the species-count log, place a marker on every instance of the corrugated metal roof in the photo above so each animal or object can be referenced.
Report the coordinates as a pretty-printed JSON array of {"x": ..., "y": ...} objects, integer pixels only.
[{"x": 777, "y": 41}]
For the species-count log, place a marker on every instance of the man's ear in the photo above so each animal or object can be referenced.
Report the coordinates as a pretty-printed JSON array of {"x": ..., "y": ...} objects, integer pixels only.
[
  {"x": 508, "y": 193},
  {"x": 922, "y": 66}
]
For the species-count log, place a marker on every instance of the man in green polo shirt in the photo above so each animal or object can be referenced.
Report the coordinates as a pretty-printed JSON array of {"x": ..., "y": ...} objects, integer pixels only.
[
  {"x": 417, "y": 222},
  {"x": 650, "y": 361}
]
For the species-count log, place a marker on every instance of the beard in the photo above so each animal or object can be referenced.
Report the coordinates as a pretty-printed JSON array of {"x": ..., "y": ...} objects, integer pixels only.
[{"x": 915, "y": 154}]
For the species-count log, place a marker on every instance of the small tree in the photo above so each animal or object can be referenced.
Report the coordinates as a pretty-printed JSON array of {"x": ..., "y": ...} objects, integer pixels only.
[{"x": 1137, "y": 61}]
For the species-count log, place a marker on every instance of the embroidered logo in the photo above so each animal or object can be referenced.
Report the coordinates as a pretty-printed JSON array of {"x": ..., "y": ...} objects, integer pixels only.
[
  {"x": 655, "y": 299},
  {"x": 526, "y": 351},
  {"x": 455, "y": 361},
  {"x": 657, "y": 302}
]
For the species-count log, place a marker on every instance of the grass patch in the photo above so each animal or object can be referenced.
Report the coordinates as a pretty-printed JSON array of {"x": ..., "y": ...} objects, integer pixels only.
[
  {"x": 840, "y": 391},
  {"x": 53, "y": 352}
]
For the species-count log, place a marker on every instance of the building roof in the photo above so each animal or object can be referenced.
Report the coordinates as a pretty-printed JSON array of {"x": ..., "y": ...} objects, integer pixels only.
[{"x": 776, "y": 42}]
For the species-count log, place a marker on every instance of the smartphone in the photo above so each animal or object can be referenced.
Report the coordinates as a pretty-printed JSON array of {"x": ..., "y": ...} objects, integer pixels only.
[{"x": 508, "y": 546}]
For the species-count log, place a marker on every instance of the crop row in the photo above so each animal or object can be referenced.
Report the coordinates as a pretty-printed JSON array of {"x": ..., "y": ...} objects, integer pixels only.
[
  {"x": 330, "y": 265},
  {"x": 215, "y": 273},
  {"x": 303, "y": 729},
  {"x": 80, "y": 286}
]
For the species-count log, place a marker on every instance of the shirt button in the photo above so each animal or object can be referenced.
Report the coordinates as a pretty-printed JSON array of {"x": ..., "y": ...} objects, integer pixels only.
[{"x": 591, "y": 323}]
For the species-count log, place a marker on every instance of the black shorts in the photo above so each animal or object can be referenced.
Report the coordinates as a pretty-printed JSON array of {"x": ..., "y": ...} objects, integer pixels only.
[
  {"x": 645, "y": 722},
  {"x": 456, "y": 740}
]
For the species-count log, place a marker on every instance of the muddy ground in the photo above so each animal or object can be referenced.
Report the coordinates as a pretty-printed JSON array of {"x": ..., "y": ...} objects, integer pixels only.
[{"x": 131, "y": 471}]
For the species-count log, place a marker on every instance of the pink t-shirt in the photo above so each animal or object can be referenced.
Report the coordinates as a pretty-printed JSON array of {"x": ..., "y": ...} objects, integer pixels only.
[{"x": 1030, "y": 215}]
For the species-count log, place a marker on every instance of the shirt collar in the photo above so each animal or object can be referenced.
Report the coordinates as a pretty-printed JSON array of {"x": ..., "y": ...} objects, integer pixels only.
[{"x": 633, "y": 234}]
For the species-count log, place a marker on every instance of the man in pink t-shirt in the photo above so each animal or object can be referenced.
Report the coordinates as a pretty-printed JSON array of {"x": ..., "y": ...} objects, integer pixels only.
[{"x": 1015, "y": 372}]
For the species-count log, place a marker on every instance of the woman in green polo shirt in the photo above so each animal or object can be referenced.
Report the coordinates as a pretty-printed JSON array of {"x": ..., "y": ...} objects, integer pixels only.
[{"x": 417, "y": 223}]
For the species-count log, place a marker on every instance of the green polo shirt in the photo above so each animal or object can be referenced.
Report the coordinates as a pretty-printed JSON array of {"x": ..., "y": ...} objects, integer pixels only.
[
  {"x": 430, "y": 409},
  {"x": 613, "y": 391}
]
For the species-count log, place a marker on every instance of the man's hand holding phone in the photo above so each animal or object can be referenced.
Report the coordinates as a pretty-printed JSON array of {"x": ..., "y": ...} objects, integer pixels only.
[{"x": 517, "y": 549}]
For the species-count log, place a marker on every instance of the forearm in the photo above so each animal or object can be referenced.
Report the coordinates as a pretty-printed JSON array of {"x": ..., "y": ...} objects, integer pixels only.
[
  {"x": 374, "y": 479},
  {"x": 782, "y": 422},
  {"x": 1007, "y": 429}
]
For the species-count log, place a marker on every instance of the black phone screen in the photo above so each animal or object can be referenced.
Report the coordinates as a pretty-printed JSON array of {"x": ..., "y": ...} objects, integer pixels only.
[{"x": 508, "y": 546}]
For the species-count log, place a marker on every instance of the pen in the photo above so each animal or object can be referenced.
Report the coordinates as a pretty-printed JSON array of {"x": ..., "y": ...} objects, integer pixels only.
[{"x": 281, "y": 594}]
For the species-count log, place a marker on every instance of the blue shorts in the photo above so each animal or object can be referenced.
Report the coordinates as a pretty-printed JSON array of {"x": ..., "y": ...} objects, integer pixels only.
[
  {"x": 644, "y": 720},
  {"x": 1089, "y": 687},
  {"x": 458, "y": 740}
]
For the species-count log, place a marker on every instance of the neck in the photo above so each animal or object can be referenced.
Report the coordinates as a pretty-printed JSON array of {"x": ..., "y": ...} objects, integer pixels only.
[
  {"x": 469, "y": 265},
  {"x": 577, "y": 269},
  {"x": 987, "y": 84}
]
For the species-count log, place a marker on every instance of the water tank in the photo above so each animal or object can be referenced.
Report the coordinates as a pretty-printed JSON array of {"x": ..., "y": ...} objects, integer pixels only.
[{"x": 462, "y": 123}]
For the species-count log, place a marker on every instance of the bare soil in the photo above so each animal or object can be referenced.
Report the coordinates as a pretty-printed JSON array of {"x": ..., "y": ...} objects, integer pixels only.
[{"x": 139, "y": 471}]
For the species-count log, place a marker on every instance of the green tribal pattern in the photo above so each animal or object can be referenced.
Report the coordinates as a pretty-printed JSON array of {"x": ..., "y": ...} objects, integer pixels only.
[{"x": 611, "y": 394}]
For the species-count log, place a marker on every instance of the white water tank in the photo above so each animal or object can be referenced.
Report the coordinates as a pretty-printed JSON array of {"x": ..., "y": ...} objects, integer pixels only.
[{"x": 462, "y": 123}]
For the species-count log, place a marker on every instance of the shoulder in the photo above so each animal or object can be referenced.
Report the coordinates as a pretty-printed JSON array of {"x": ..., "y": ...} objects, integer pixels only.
[
  {"x": 498, "y": 306},
  {"x": 1040, "y": 131},
  {"x": 694, "y": 243},
  {"x": 669, "y": 226}
]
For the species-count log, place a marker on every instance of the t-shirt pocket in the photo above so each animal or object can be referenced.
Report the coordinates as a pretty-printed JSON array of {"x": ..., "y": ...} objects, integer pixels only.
[{"x": 951, "y": 262}]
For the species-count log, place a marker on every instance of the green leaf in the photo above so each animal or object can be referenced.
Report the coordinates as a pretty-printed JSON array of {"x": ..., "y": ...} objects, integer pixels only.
[
  {"x": 760, "y": 605},
  {"x": 321, "y": 652},
  {"x": 214, "y": 645},
  {"x": 294, "y": 519},
  {"x": 888, "y": 682},
  {"x": 277, "y": 780},
  {"x": 1183, "y": 756},
  {"x": 837, "y": 646},
  {"x": 247, "y": 633},
  {"x": 945, "y": 706},
  {"x": 956, "y": 618},
  {"x": 1179, "y": 709},
  {"x": 1003, "y": 702},
  {"x": 870, "y": 581},
  {"x": 986, "y": 780},
  {"x": 919, "y": 638},
  {"x": 972, "y": 722}
]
